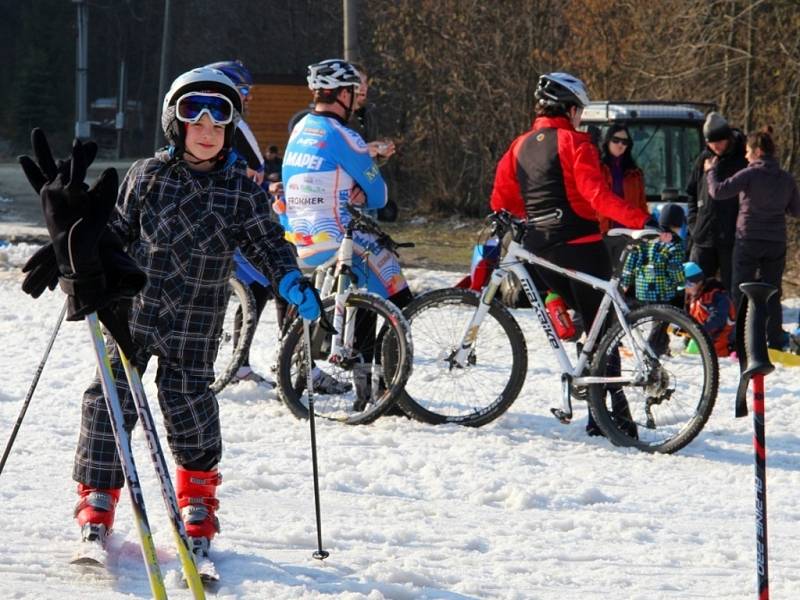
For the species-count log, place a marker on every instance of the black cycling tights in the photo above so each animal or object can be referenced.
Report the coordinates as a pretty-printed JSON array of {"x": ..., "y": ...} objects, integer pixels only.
[
  {"x": 262, "y": 295},
  {"x": 591, "y": 258},
  {"x": 365, "y": 326}
]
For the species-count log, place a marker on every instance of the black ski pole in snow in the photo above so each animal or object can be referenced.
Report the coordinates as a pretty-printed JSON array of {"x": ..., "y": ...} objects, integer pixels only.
[
  {"x": 751, "y": 344},
  {"x": 319, "y": 554},
  {"x": 34, "y": 383}
]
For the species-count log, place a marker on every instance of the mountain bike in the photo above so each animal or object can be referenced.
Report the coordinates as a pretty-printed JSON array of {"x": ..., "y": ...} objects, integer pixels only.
[
  {"x": 238, "y": 328},
  {"x": 471, "y": 358},
  {"x": 369, "y": 332}
]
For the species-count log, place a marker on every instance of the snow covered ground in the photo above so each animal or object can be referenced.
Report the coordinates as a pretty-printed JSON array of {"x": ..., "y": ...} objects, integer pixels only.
[{"x": 521, "y": 508}]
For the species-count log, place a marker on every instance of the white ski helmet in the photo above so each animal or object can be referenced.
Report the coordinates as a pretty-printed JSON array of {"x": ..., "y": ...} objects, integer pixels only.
[
  {"x": 561, "y": 88},
  {"x": 332, "y": 74},
  {"x": 202, "y": 79}
]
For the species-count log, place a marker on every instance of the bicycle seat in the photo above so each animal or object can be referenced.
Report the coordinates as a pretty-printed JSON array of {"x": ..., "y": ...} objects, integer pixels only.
[{"x": 636, "y": 234}]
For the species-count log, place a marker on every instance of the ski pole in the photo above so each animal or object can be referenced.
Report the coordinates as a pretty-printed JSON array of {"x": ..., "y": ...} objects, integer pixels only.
[
  {"x": 34, "y": 383},
  {"x": 123, "y": 443},
  {"x": 167, "y": 489},
  {"x": 753, "y": 342},
  {"x": 319, "y": 554}
]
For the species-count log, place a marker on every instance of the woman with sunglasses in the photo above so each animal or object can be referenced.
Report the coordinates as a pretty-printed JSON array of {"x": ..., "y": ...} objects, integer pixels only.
[
  {"x": 181, "y": 215},
  {"x": 624, "y": 178}
]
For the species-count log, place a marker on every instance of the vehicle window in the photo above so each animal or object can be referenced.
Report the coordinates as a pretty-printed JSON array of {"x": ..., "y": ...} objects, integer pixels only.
[{"x": 650, "y": 153}]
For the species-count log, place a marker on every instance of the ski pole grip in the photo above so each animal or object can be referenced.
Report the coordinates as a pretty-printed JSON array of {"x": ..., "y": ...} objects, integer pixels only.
[{"x": 755, "y": 329}]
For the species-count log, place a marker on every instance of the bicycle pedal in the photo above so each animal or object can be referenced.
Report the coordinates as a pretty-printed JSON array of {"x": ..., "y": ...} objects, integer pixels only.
[{"x": 563, "y": 417}]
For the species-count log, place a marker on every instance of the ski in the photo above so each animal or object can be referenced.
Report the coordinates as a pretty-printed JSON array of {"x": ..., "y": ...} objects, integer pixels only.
[
  {"x": 206, "y": 568},
  {"x": 207, "y": 571},
  {"x": 90, "y": 554}
]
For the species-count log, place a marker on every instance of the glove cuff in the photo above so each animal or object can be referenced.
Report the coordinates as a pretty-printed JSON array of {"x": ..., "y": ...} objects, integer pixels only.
[{"x": 84, "y": 294}]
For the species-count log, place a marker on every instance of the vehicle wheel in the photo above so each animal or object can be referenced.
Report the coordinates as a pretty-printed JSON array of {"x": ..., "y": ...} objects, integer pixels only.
[
  {"x": 234, "y": 339},
  {"x": 345, "y": 397},
  {"x": 674, "y": 399},
  {"x": 438, "y": 393}
]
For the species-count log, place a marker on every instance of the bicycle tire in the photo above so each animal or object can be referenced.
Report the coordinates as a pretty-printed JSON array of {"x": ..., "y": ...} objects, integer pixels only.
[
  {"x": 229, "y": 356},
  {"x": 395, "y": 348},
  {"x": 435, "y": 393},
  {"x": 672, "y": 407}
]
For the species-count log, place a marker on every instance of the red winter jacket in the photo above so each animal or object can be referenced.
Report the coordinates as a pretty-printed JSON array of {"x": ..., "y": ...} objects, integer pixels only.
[{"x": 554, "y": 171}]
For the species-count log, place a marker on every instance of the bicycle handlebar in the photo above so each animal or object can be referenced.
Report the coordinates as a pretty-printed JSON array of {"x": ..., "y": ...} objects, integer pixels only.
[{"x": 361, "y": 222}]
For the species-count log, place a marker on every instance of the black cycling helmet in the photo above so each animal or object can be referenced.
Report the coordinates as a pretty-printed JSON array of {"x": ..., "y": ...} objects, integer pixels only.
[
  {"x": 561, "y": 89},
  {"x": 202, "y": 79}
]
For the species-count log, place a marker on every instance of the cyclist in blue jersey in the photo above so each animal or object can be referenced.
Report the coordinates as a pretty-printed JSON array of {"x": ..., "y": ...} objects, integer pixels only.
[{"x": 327, "y": 166}]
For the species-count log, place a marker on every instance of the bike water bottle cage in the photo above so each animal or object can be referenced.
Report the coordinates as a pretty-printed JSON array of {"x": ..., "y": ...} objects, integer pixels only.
[{"x": 190, "y": 108}]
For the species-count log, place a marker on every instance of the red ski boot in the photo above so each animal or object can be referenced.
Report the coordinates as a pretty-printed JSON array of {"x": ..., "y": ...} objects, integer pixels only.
[
  {"x": 197, "y": 500},
  {"x": 95, "y": 515}
]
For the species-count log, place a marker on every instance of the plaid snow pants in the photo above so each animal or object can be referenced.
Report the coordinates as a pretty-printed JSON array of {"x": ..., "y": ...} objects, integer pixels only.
[{"x": 190, "y": 410}]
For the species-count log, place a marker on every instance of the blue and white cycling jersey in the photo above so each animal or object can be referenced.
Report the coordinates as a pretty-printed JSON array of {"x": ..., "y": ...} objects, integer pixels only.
[
  {"x": 324, "y": 159},
  {"x": 322, "y": 162}
]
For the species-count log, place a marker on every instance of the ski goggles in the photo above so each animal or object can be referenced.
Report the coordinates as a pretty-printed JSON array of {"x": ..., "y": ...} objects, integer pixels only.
[{"x": 190, "y": 108}]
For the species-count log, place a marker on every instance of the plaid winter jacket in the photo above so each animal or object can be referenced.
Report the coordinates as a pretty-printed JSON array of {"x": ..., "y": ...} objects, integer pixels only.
[
  {"x": 182, "y": 227},
  {"x": 657, "y": 269}
]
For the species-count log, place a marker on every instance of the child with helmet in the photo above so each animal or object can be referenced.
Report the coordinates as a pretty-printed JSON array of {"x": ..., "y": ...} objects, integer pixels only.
[
  {"x": 181, "y": 215},
  {"x": 711, "y": 306}
]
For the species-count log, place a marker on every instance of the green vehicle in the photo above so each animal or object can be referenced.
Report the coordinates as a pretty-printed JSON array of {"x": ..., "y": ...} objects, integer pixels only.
[{"x": 667, "y": 136}]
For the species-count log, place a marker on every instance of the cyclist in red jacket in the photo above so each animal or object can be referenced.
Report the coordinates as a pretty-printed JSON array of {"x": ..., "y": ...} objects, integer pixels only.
[{"x": 554, "y": 171}]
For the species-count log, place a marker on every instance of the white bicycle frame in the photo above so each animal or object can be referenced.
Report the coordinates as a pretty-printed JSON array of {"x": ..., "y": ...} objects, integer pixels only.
[
  {"x": 324, "y": 278},
  {"x": 571, "y": 374}
]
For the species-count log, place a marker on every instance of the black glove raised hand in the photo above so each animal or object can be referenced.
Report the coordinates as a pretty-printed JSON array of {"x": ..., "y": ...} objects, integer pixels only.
[{"x": 76, "y": 218}]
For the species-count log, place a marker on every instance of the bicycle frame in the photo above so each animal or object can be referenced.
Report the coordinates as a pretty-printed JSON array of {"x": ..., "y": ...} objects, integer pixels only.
[{"x": 571, "y": 374}]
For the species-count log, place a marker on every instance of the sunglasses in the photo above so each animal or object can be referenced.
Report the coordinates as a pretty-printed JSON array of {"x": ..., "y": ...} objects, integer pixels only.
[
  {"x": 244, "y": 90},
  {"x": 190, "y": 108},
  {"x": 619, "y": 140}
]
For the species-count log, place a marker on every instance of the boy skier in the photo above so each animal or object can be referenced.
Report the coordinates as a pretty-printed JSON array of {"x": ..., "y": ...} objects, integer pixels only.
[{"x": 180, "y": 216}]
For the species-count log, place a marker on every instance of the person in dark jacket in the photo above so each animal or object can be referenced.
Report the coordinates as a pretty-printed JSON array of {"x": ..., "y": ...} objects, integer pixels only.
[
  {"x": 766, "y": 194},
  {"x": 551, "y": 175},
  {"x": 712, "y": 225}
]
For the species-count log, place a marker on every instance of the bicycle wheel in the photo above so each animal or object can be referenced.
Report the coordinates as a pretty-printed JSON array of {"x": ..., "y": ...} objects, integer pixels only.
[
  {"x": 233, "y": 344},
  {"x": 482, "y": 391},
  {"x": 670, "y": 403},
  {"x": 365, "y": 388}
]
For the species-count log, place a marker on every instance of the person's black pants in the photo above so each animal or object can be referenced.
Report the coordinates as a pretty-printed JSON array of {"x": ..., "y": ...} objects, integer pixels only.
[
  {"x": 591, "y": 258},
  {"x": 713, "y": 259},
  {"x": 760, "y": 260}
]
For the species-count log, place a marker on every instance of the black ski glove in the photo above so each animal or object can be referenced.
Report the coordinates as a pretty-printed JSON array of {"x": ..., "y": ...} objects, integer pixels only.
[
  {"x": 124, "y": 279},
  {"x": 42, "y": 268},
  {"x": 76, "y": 217}
]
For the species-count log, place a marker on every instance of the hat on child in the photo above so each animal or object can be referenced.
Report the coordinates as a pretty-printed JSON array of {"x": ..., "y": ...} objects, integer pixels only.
[
  {"x": 672, "y": 215},
  {"x": 716, "y": 128},
  {"x": 692, "y": 272}
]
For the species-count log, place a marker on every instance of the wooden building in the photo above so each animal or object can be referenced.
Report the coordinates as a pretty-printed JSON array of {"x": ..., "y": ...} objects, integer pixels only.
[{"x": 275, "y": 101}]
